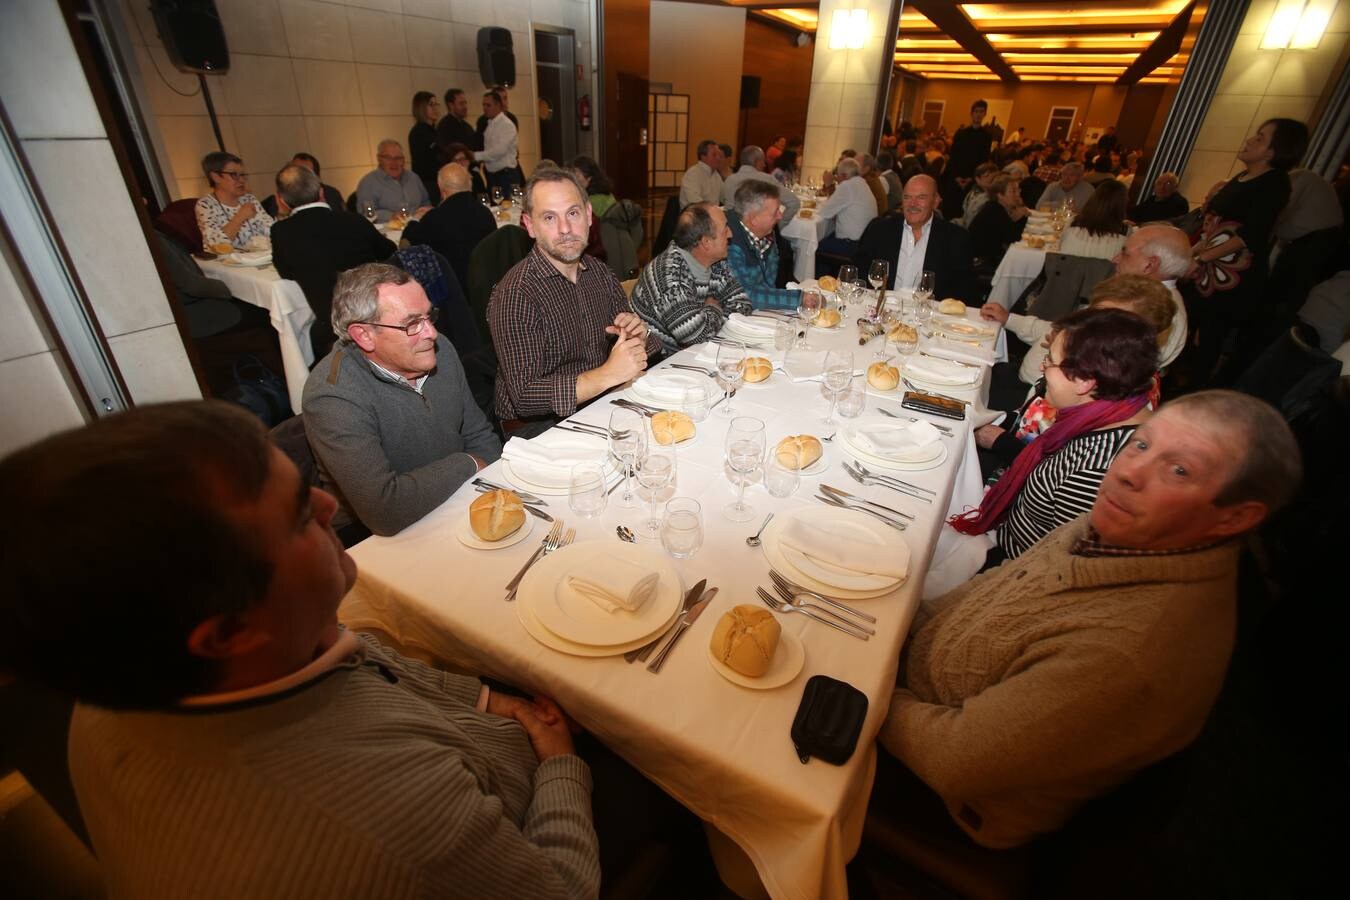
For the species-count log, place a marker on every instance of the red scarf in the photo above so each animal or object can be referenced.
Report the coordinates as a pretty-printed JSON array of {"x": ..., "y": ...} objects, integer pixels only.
[{"x": 1069, "y": 424}]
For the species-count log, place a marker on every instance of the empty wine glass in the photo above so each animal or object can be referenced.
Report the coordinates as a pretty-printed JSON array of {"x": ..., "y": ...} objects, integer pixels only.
[
  {"x": 927, "y": 285},
  {"x": 496, "y": 195},
  {"x": 485, "y": 200},
  {"x": 730, "y": 371},
  {"x": 656, "y": 473},
  {"x": 848, "y": 276},
  {"x": 809, "y": 305},
  {"x": 838, "y": 373},
  {"x": 370, "y": 213},
  {"x": 892, "y": 314},
  {"x": 745, "y": 455},
  {"x": 627, "y": 444},
  {"x": 877, "y": 275},
  {"x": 517, "y": 193}
]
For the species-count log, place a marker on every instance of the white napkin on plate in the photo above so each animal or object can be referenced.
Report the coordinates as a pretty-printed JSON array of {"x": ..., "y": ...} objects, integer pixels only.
[
  {"x": 553, "y": 452},
  {"x": 967, "y": 353},
  {"x": 758, "y": 327},
  {"x": 802, "y": 365},
  {"x": 842, "y": 550},
  {"x": 940, "y": 371},
  {"x": 669, "y": 386},
  {"x": 613, "y": 583},
  {"x": 900, "y": 441}
]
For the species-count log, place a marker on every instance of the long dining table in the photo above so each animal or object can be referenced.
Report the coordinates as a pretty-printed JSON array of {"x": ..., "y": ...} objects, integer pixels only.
[{"x": 722, "y": 750}]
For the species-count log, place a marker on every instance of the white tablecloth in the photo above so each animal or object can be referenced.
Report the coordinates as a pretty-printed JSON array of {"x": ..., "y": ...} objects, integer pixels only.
[
  {"x": 721, "y": 750},
  {"x": 1019, "y": 267},
  {"x": 289, "y": 311},
  {"x": 805, "y": 235}
]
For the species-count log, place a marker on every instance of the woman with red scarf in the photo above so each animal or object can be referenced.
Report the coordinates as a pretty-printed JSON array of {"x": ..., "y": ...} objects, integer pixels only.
[{"x": 1097, "y": 376}]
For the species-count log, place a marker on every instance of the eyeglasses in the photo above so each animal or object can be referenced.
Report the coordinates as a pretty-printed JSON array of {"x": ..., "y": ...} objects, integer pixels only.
[
  {"x": 237, "y": 176},
  {"x": 386, "y": 156},
  {"x": 413, "y": 328},
  {"x": 1046, "y": 364}
]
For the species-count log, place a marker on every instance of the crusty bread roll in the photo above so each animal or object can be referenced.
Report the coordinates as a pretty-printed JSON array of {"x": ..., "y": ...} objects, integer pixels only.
[
  {"x": 798, "y": 451},
  {"x": 671, "y": 427},
  {"x": 221, "y": 249},
  {"x": 496, "y": 515},
  {"x": 829, "y": 283},
  {"x": 827, "y": 318},
  {"x": 899, "y": 332},
  {"x": 883, "y": 377},
  {"x": 805, "y": 213},
  {"x": 745, "y": 639},
  {"x": 952, "y": 307},
  {"x": 756, "y": 368}
]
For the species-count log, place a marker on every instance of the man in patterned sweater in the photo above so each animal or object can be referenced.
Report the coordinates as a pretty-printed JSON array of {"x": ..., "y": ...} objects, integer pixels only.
[
  {"x": 231, "y": 739},
  {"x": 686, "y": 293}
]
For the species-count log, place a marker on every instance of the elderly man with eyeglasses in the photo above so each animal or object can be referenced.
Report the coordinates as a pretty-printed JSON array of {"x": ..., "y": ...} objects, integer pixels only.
[
  {"x": 391, "y": 191},
  {"x": 388, "y": 412}
]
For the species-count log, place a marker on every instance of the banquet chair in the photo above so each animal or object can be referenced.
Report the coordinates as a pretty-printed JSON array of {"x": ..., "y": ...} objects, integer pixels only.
[
  {"x": 621, "y": 233},
  {"x": 1289, "y": 372},
  {"x": 179, "y": 222},
  {"x": 491, "y": 259},
  {"x": 1068, "y": 282},
  {"x": 669, "y": 219}
]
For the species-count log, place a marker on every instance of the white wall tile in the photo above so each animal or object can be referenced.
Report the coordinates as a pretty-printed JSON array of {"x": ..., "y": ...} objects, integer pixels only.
[
  {"x": 547, "y": 12},
  {"x": 1249, "y": 68},
  {"x": 431, "y": 9},
  {"x": 1228, "y": 123},
  {"x": 829, "y": 66},
  {"x": 385, "y": 90},
  {"x": 21, "y": 336},
  {"x": 438, "y": 81},
  {"x": 192, "y": 187},
  {"x": 327, "y": 88},
  {"x": 253, "y": 26},
  {"x": 856, "y": 106},
  {"x": 577, "y": 16},
  {"x": 818, "y": 149},
  {"x": 109, "y": 249},
  {"x": 267, "y": 143},
  {"x": 37, "y": 401},
  {"x": 382, "y": 5},
  {"x": 339, "y": 141},
  {"x": 140, "y": 25},
  {"x": 822, "y": 105},
  {"x": 522, "y": 51},
  {"x": 527, "y": 137},
  {"x": 431, "y": 42},
  {"x": 465, "y": 42},
  {"x": 474, "y": 12},
  {"x": 1305, "y": 72},
  {"x": 1258, "y": 17},
  {"x": 155, "y": 365},
  {"x": 377, "y": 37},
  {"x": 345, "y": 178},
  {"x": 42, "y": 83},
  {"x": 1203, "y": 169},
  {"x": 175, "y": 93},
  {"x": 1272, "y": 107},
  {"x": 316, "y": 30},
  {"x": 189, "y": 138},
  {"x": 851, "y": 139},
  {"x": 513, "y": 14},
  {"x": 380, "y": 127},
  {"x": 260, "y": 86},
  {"x": 471, "y": 83}
]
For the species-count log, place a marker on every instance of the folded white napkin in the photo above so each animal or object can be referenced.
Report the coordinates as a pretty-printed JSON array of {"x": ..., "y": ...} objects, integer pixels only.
[
  {"x": 900, "y": 441},
  {"x": 978, "y": 356},
  {"x": 940, "y": 371},
  {"x": 615, "y": 583},
  {"x": 802, "y": 365},
  {"x": 670, "y": 386},
  {"x": 842, "y": 550},
  {"x": 554, "y": 452},
  {"x": 761, "y": 327}
]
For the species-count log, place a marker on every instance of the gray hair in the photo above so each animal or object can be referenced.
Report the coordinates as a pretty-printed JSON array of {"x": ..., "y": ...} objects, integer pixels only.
[
  {"x": 847, "y": 168},
  {"x": 1268, "y": 466},
  {"x": 1072, "y": 166},
  {"x": 751, "y": 155},
  {"x": 551, "y": 175},
  {"x": 387, "y": 142},
  {"x": 356, "y": 296},
  {"x": 1170, "y": 246},
  {"x": 1169, "y": 177},
  {"x": 297, "y": 186},
  {"x": 751, "y": 196},
  {"x": 695, "y": 223}
]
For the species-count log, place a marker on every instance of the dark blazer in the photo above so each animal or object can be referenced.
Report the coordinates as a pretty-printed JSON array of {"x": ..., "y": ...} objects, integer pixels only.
[
  {"x": 992, "y": 231},
  {"x": 453, "y": 229},
  {"x": 948, "y": 255},
  {"x": 314, "y": 245}
]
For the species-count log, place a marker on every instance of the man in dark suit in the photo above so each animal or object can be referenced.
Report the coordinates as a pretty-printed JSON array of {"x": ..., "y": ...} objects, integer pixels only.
[
  {"x": 1164, "y": 203},
  {"x": 315, "y": 242},
  {"x": 456, "y": 226},
  {"x": 331, "y": 195},
  {"x": 919, "y": 242}
]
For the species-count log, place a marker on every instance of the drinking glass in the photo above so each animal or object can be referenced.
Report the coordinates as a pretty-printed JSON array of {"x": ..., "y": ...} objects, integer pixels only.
[
  {"x": 730, "y": 371},
  {"x": 656, "y": 473},
  {"x": 696, "y": 402},
  {"x": 877, "y": 275},
  {"x": 852, "y": 400},
  {"x": 784, "y": 335},
  {"x": 627, "y": 444},
  {"x": 838, "y": 374},
  {"x": 586, "y": 491},
  {"x": 682, "y": 527},
  {"x": 485, "y": 200},
  {"x": 403, "y": 212},
  {"x": 745, "y": 455},
  {"x": 848, "y": 275},
  {"x": 370, "y": 213},
  {"x": 927, "y": 285},
  {"x": 892, "y": 312},
  {"x": 809, "y": 306},
  {"x": 779, "y": 480},
  {"x": 496, "y": 195},
  {"x": 517, "y": 193}
]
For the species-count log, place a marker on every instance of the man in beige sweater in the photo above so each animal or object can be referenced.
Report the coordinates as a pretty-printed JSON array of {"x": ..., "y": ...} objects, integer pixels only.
[
  {"x": 231, "y": 739},
  {"x": 1051, "y": 679}
]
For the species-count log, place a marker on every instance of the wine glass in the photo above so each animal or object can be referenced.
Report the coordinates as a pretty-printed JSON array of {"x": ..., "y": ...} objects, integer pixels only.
[
  {"x": 809, "y": 305},
  {"x": 877, "y": 275},
  {"x": 517, "y": 194},
  {"x": 730, "y": 371},
  {"x": 496, "y": 195},
  {"x": 927, "y": 286},
  {"x": 656, "y": 473},
  {"x": 370, "y": 213},
  {"x": 627, "y": 444},
  {"x": 745, "y": 454},
  {"x": 403, "y": 213},
  {"x": 486, "y": 201},
  {"x": 838, "y": 373},
  {"x": 847, "y": 276}
]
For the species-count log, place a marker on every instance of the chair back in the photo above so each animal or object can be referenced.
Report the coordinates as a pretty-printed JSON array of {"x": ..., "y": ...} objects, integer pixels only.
[
  {"x": 621, "y": 233},
  {"x": 179, "y": 222},
  {"x": 666, "y": 233},
  {"x": 1289, "y": 373},
  {"x": 1069, "y": 281},
  {"x": 494, "y": 256}
]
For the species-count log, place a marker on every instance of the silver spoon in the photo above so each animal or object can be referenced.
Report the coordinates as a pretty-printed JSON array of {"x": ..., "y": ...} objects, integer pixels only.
[
  {"x": 626, "y": 534},
  {"x": 754, "y": 540}
]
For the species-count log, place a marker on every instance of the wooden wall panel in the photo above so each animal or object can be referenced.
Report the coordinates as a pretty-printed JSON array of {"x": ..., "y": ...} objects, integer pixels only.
[{"x": 784, "y": 70}]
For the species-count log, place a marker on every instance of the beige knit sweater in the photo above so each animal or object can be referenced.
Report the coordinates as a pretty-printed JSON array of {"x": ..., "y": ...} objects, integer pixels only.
[{"x": 1049, "y": 680}]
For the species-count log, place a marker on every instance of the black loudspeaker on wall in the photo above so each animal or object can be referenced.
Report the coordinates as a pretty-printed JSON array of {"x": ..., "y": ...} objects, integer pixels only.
[
  {"x": 749, "y": 92},
  {"x": 192, "y": 34},
  {"x": 496, "y": 61}
]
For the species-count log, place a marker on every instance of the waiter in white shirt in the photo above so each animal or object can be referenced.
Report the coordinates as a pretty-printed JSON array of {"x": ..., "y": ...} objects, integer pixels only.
[{"x": 499, "y": 153}]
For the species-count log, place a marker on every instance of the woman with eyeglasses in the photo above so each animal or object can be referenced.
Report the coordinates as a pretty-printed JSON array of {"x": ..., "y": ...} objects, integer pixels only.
[
  {"x": 1098, "y": 376},
  {"x": 229, "y": 217}
]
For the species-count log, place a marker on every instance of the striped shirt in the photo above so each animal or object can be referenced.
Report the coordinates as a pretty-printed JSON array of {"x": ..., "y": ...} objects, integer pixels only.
[{"x": 1061, "y": 488}]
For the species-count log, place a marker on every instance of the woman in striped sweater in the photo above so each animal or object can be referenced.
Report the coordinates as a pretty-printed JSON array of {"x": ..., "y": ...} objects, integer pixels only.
[{"x": 1098, "y": 374}]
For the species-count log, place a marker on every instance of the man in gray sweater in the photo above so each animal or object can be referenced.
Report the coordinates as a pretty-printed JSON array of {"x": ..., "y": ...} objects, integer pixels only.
[
  {"x": 231, "y": 739},
  {"x": 392, "y": 421}
]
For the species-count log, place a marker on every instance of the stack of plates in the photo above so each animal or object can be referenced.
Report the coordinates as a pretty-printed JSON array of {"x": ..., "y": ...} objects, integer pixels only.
[
  {"x": 836, "y": 525},
  {"x": 756, "y": 331},
  {"x": 940, "y": 374},
  {"x": 558, "y": 617},
  {"x": 667, "y": 388},
  {"x": 568, "y": 449},
  {"x": 925, "y": 454},
  {"x": 962, "y": 328},
  {"x": 253, "y": 258}
]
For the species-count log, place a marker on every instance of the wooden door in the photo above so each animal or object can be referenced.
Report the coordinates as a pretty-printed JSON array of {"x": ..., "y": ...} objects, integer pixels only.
[{"x": 627, "y": 127}]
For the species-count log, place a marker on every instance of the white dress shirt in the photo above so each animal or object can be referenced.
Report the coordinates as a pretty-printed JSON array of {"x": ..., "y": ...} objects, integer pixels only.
[
  {"x": 749, "y": 173},
  {"x": 700, "y": 184},
  {"x": 499, "y": 144},
  {"x": 909, "y": 265},
  {"x": 852, "y": 206}
]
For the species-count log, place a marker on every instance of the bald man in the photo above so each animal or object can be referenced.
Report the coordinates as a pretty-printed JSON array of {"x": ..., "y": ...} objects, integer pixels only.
[
  {"x": 919, "y": 241},
  {"x": 456, "y": 226}
]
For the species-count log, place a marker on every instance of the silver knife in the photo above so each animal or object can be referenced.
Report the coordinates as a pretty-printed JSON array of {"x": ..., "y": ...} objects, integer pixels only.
[
  {"x": 528, "y": 498},
  {"x": 680, "y": 629},
  {"x": 689, "y": 600}
]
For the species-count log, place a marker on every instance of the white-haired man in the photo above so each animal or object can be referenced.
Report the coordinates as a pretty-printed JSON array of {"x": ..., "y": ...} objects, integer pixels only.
[
  {"x": 852, "y": 207},
  {"x": 1070, "y": 186},
  {"x": 1164, "y": 203},
  {"x": 755, "y": 168}
]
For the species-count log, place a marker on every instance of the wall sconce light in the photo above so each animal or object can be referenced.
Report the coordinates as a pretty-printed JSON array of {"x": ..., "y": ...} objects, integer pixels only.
[
  {"x": 1298, "y": 24},
  {"x": 848, "y": 29}
]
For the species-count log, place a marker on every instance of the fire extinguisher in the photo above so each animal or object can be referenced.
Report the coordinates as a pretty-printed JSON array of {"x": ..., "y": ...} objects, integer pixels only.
[{"x": 584, "y": 112}]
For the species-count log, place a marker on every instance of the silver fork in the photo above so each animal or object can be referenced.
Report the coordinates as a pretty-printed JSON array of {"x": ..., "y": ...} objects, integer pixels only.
[
  {"x": 845, "y": 495},
  {"x": 877, "y": 482},
  {"x": 783, "y": 584},
  {"x": 709, "y": 372},
  {"x": 544, "y": 547},
  {"x": 833, "y": 501},
  {"x": 942, "y": 428},
  {"x": 785, "y": 606},
  {"x": 913, "y": 487}
]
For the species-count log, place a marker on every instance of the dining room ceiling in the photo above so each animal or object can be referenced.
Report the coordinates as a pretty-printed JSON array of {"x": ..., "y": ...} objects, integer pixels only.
[{"x": 1104, "y": 42}]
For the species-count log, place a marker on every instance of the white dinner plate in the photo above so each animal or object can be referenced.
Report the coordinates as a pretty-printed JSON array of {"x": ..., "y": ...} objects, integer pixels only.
[
  {"x": 962, "y": 328},
  {"x": 643, "y": 390},
  {"x": 887, "y": 537},
  {"x": 464, "y": 533},
  {"x": 848, "y": 525},
  {"x": 552, "y": 489},
  {"x": 882, "y": 462},
  {"x": 541, "y": 634},
  {"x": 248, "y": 259},
  {"x": 566, "y": 613},
  {"x": 889, "y": 423},
  {"x": 971, "y": 373},
  {"x": 786, "y": 663}
]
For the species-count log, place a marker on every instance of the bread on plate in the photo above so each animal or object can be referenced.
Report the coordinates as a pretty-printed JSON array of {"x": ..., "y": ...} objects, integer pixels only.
[
  {"x": 883, "y": 377},
  {"x": 496, "y": 515},
  {"x": 756, "y": 369},
  {"x": 745, "y": 640},
  {"x": 671, "y": 427},
  {"x": 798, "y": 451}
]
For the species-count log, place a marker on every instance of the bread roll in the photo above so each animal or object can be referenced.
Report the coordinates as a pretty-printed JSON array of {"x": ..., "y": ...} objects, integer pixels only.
[
  {"x": 798, "y": 451},
  {"x": 883, "y": 377},
  {"x": 829, "y": 283},
  {"x": 897, "y": 333},
  {"x": 671, "y": 427},
  {"x": 221, "y": 249},
  {"x": 496, "y": 515},
  {"x": 805, "y": 213},
  {"x": 745, "y": 639},
  {"x": 827, "y": 318},
  {"x": 756, "y": 369},
  {"x": 952, "y": 307}
]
